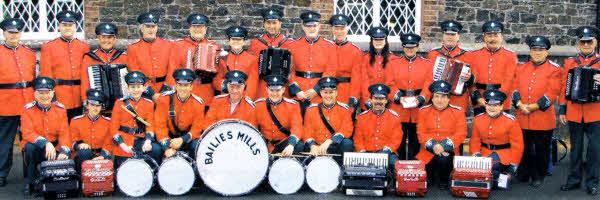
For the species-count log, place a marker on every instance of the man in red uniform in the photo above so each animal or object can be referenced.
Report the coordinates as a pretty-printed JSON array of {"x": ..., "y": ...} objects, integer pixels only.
[
  {"x": 451, "y": 50},
  {"x": 179, "y": 116},
  {"x": 410, "y": 74},
  {"x": 150, "y": 55},
  {"x": 379, "y": 129},
  {"x": 441, "y": 128},
  {"x": 582, "y": 118},
  {"x": 279, "y": 119},
  {"x": 496, "y": 134},
  {"x": 183, "y": 51},
  {"x": 90, "y": 132},
  {"x": 537, "y": 87},
  {"x": 61, "y": 59},
  {"x": 131, "y": 126},
  {"x": 313, "y": 57},
  {"x": 374, "y": 63},
  {"x": 493, "y": 66},
  {"x": 328, "y": 125},
  {"x": 18, "y": 66},
  {"x": 238, "y": 59},
  {"x": 233, "y": 105},
  {"x": 45, "y": 130}
]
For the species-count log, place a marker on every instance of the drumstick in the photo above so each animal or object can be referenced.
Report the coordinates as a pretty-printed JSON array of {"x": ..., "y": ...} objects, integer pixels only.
[
  {"x": 136, "y": 116},
  {"x": 327, "y": 154},
  {"x": 281, "y": 155}
]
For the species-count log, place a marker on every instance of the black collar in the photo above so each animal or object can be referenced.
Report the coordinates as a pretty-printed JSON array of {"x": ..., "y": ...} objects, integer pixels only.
[
  {"x": 236, "y": 53},
  {"x": 195, "y": 40},
  {"x": 148, "y": 41},
  {"x": 449, "y": 49},
  {"x": 494, "y": 117},
  {"x": 588, "y": 55},
  {"x": 93, "y": 118},
  {"x": 378, "y": 114},
  {"x": 270, "y": 36},
  {"x": 42, "y": 108},
  {"x": 65, "y": 39},
  {"x": 11, "y": 47},
  {"x": 275, "y": 103},
  {"x": 107, "y": 51},
  {"x": 313, "y": 40},
  {"x": 493, "y": 51},
  {"x": 184, "y": 100},
  {"x": 540, "y": 63},
  {"x": 342, "y": 42},
  {"x": 411, "y": 58},
  {"x": 329, "y": 107}
]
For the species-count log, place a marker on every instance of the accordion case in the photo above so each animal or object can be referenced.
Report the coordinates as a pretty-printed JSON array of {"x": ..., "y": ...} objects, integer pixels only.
[
  {"x": 97, "y": 178},
  {"x": 411, "y": 178},
  {"x": 274, "y": 61},
  {"x": 58, "y": 179},
  {"x": 581, "y": 86},
  {"x": 471, "y": 177},
  {"x": 365, "y": 174}
]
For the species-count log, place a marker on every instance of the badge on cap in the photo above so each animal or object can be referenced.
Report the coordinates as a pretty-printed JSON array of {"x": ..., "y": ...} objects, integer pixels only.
[
  {"x": 443, "y": 85},
  {"x": 14, "y": 22},
  {"x": 309, "y": 15},
  {"x": 107, "y": 26},
  {"x": 274, "y": 79},
  {"x": 410, "y": 37},
  {"x": 68, "y": 15},
  {"x": 328, "y": 80},
  {"x": 150, "y": 16},
  {"x": 492, "y": 94},
  {"x": 198, "y": 17},
  {"x": 492, "y": 24},
  {"x": 379, "y": 88},
  {"x": 271, "y": 12},
  {"x": 585, "y": 30},
  {"x": 450, "y": 24},
  {"x": 235, "y": 74}
]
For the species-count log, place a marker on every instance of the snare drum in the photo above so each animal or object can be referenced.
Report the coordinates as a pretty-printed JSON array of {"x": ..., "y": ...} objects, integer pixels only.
[
  {"x": 286, "y": 175},
  {"x": 232, "y": 158},
  {"x": 176, "y": 175},
  {"x": 323, "y": 174},
  {"x": 135, "y": 177}
]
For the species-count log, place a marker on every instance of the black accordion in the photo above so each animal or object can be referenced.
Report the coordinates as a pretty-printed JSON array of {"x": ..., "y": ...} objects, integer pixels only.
[
  {"x": 274, "y": 61},
  {"x": 110, "y": 79},
  {"x": 581, "y": 86},
  {"x": 365, "y": 174},
  {"x": 58, "y": 179}
]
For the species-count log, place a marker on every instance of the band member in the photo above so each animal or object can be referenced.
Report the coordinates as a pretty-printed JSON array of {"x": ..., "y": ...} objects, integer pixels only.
[
  {"x": 233, "y": 105},
  {"x": 441, "y": 128},
  {"x": 238, "y": 59},
  {"x": 582, "y": 119},
  {"x": 18, "y": 66},
  {"x": 45, "y": 130},
  {"x": 90, "y": 132},
  {"x": 378, "y": 129},
  {"x": 451, "y": 50},
  {"x": 375, "y": 62},
  {"x": 61, "y": 59},
  {"x": 349, "y": 58},
  {"x": 132, "y": 120},
  {"x": 186, "y": 47},
  {"x": 537, "y": 87},
  {"x": 106, "y": 34},
  {"x": 493, "y": 66},
  {"x": 279, "y": 118},
  {"x": 410, "y": 74},
  {"x": 313, "y": 57},
  {"x": 496, "y": 134},
  {"x": 179, "y": 116},
  {"x": 328, "y": 125},
  {"x": 150, "y": 54}
]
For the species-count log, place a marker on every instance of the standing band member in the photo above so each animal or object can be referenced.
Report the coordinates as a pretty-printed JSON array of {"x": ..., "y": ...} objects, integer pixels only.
[{"x": 374, "y": 63}]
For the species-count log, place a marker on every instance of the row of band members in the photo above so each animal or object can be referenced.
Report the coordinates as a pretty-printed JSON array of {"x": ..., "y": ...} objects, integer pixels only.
[{"x": 493, "y": 67}]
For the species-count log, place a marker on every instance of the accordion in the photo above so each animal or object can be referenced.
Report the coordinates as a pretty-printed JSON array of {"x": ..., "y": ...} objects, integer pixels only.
[
  {"x": 581, "y": 86},
  {"x": 97, "y": 178},
  {"x": 365, "y": 174},
  {"x": 471, "y": 177},
  {"x": 110, "y": 79},
  {"x": 411, "y": 178},
  {"x": 274, "y": 61},
  {"x": 203, "y": 58},
  {"x": 450, "y": 71},
  {"x": 58, "y": 179}
]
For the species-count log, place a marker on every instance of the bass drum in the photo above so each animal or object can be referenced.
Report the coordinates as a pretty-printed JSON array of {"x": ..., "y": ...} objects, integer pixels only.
[
  {"x": 135, "y": 177},
  {"x": 323, "y": 174},
  {"x": 232, "y": 157},
  {"x": 176, "y": 175},
  {"x": 286, "y": 175}
]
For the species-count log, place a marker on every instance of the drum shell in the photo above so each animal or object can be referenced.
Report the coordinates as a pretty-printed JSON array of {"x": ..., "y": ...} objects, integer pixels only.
[
  {"x": 296, "y": 176},
  {"x": 129, "y": 176},
  {"x": 162, "y": 181},
  {"x": 317, "y": 175}
]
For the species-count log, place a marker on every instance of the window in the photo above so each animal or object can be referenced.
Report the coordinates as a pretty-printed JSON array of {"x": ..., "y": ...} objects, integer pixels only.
[
  {"x": 398, "y": 16},
  {"x": 39, "y": 16}
]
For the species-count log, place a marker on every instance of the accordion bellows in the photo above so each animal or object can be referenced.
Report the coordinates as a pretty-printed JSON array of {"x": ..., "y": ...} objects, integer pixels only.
[
  {"x": 451, "y": 71},
  {"x": 411, "y": 178},
  {"x": 471, "y": 177},
  {"x": 581, "y": 86},
  {"x": 58, "y": 179},
  {"x": 97, "y": 177},
  {"x": 275, "y": 61}
]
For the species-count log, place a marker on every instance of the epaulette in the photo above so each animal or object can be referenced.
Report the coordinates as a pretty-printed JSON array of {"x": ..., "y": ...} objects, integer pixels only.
[
  {"x": 167, "y": 93},
  {"x": 393, "y": 113},
  {"x": 198, "y": 99},
  {"x": 177, "y": 40},
  {"x": 137, "y": 41},
  {"x": 355, "y": 46},
  {"x": 343, "y": 105},
  {"x": 508, "y": 49},
  {"x": 364, "y": 112},
  {"x": 78, "y": 117},
  {"x": 123, "y": 98},
  {"x": 60, "y": 105},
  {"x": 313, "y": 105},
  {"x": 509, "y": 115},
  {"x": 144, "y": 98},
  {"x": 553, "y": 63},
  {"x": 457, "y": 107},
  {"x": 289, "y": 100},
  {"x": 249, "y": 100},
  {"x": 365, "y": 53},
  {"x": 29, "y": 105},
  {"x": 221, "y": 96},
  {"x": 260, "y": 100},
  {"x": 105, "y": 117},
  {"x": 330, "y": 42},
  {"x": 519, "y": 63},
  {"x": 480, "y": 114},
  {"x": 425, "y": 106}
]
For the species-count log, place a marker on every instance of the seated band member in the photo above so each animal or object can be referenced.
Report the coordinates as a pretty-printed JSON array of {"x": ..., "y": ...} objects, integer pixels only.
[
  {"x": 131, "y": 125},
  {"x": 441, "y": 128},
  {"x": 279, "y": 118},
  {"x": 233, "y": 105},
  {"x": 179, "y": 116},
  {"x": 498, "y": 135},
  {"x": 45, "y": 130},
  {"x": 90, "y": 132},
  {"x": 328, "y": 125},
  {"x": 379, "y": 129}
]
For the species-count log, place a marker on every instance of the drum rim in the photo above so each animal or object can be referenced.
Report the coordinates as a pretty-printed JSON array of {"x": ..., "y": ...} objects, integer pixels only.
[
  {"x": 147, "y": 165},
  {"x": 208, "y": 130},
  {"x": 336, "y": 164},
  {"x": 303, "y": 175},
  {"x": 175, "y": 158}
]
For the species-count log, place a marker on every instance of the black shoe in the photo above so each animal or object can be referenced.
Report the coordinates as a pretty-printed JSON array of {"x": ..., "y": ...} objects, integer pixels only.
[
  {"x": 567, "y": 187},
  {"x": 536, "y": 183},
  {"x": 593, "y": 191},
  {"x": 27, "y": 190},
  {"x": 2, "y": 181}
]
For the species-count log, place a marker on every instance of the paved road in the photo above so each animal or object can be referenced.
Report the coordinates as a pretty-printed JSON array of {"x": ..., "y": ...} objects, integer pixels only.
[{"x": 518, "y": 191}]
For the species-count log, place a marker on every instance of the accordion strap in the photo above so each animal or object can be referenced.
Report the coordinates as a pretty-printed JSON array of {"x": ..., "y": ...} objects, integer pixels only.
[
  {"x": 589, "y": 64},
  {"x": 325, "y": 122},
  {"x": 139, "y": 123},
  {"x": 172, "y": 117},
  {"x": 283, "y": 39},
  {"x": 116, "y": 55},
  {"x": 276, "y": 121},
  {"x": 461, "y": 52}
]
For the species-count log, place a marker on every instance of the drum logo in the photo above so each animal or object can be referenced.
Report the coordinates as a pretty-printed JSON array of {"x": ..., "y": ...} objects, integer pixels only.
[{"x": 226, "y": 137}]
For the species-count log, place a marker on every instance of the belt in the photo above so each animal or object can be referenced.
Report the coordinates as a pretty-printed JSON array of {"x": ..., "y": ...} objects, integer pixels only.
[
  {"x": 343, "y": 79},
  {"x": 131, "y": 130},
  {"x": 96, "y": 150},
  {"x": 410, "y": 92},
  {"x": 17, "y": 85},
  {"x": 67, "y": 82},
  {"x": 304, "y": 74},
  {"x": 483, "y": 86},
  {"x": 495, "y": 146},
  {"x": 158, "y": 79}
]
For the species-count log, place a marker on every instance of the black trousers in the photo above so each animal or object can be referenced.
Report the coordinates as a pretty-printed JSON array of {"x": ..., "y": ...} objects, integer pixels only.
[
  {"x": 591, "y": 167},
  {"x": 73, "y": 112},
  {"x": 408, "y": 151},
  {"x": 8, "y": 129},
  {"x": 34, "y": 155},
  {"x": 536, "y": 154},
  {"x": 440, "y": 167},
  {"x": 81, "y": 156}
]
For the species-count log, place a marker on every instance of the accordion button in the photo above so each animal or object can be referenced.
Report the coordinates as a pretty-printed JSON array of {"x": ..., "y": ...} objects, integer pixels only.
[{"x": 490, "y": 127}]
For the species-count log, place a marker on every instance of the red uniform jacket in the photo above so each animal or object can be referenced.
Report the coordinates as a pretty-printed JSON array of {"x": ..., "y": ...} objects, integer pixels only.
[
  {"x": 144, "y": 108},
  {"x": 373, "y": 132},
  {"x": 96, "y": 57},
  {"x": 246, "y": 62},
  {"x": 447, "y": 127},
  {"x": 371, "y": 74},
  {"x": 318, "y": 56},
  {"x": 152, "y": 59},
  {"x": 39, "y": 127},
  {"x": 409, "y": 75},
  {"x": 494, "y": 68},
  {"x": 18, "y": 64},
  {"x": 457, "y": 53},
  {"x": 575, "y": 111},
  {"x": 189, "y": 114},
  {"x": 287, "y": 112},
  {"x": 220, "y": 109},
  {"x": 349, "y": 58},
  {"x": 94, "y": 133},
  {"x": 497, "y": 131},
  {"x": 339, "y": 117},
  {"x": 263, "y": 42}
]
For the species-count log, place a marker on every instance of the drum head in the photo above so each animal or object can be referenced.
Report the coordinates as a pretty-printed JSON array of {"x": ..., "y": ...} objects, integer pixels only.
[
  {"x": 232, "y": 158},
  {"x": 323, "y": 175},
  {"x": 135, "y": 177},
  {"x": 286, "y": 176},
  {"x": 176, "y": 176}
]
